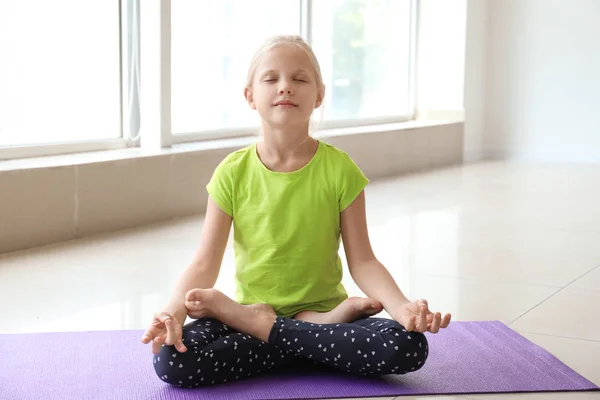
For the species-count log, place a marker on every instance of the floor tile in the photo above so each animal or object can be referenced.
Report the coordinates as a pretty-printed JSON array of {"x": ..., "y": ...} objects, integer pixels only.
[
  {"x": 469, "y": 299},
  {"x": 487, "y": 241},
  {"x": 569, "y": 313},
  {"x": 580, "y": 355},
  {"x": 528, "y": 267},
  {"x": 590, "y": 281}
]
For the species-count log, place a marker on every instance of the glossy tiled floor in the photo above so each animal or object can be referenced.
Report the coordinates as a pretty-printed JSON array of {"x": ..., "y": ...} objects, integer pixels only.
[{"x": 518, "y": 243}]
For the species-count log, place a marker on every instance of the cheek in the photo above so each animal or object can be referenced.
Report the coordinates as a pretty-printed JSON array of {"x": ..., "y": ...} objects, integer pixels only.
[
  {"x": 262, "y": 96},
  {"x": 310, "y": 96}
]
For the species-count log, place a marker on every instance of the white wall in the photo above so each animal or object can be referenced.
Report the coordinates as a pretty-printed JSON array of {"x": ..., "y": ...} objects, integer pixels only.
[
  {"x": 451, "y": 66},
  {"x": 440, "y": 58},
  {"x": 474, "y": 80},
  {"x": 543, "y": 80}
]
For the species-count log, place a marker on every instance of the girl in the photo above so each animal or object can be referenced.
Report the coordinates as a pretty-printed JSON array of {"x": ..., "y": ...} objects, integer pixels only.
[{"x": 290, "y": 197}]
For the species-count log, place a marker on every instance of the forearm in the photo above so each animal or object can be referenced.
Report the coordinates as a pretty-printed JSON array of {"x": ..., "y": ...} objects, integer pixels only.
[
  {"x": 376, "y": 282},
  {"x": 195, "y": 276}
]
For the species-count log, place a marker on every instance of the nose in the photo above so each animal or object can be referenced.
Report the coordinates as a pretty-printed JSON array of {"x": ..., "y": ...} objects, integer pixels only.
[{"x": 285, "y": 88}]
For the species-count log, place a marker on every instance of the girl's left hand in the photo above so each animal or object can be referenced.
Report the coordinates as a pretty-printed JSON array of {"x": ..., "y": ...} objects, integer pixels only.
[{"x": 415, "y": 316}]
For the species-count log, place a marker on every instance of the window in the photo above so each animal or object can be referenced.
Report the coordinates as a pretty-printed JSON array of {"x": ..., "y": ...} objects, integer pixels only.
[
  {"x": 68, "y": 66},
  {"x": 60, "y": 71},
  {"x": 212, "y": 44},
  {"x": 364, "y": 49}
]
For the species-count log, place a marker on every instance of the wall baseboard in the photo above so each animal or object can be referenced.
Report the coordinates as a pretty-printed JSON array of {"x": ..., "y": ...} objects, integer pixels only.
[{"x": 472, "y": 156}]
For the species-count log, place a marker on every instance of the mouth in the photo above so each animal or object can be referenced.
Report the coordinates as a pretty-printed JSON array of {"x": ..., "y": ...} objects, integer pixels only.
[{"x": 285, "y": 103}]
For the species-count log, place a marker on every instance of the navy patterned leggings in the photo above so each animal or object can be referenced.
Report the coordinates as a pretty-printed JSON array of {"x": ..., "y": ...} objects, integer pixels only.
[{"x": 218, "y": 354}]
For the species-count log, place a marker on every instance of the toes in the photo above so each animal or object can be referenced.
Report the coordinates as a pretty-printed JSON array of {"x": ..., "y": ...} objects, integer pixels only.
[
  {"x": 192, "y": 295},
  {"x": 368, "y": 306},
  {"x": 198, "y": 294},
  {"x": 373, "y": 304},
  {"x": 372, "y": 312},
  {"x": 192, "y": 305}
]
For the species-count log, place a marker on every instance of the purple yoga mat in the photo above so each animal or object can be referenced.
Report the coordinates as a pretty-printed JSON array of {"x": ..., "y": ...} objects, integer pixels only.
[{"x": 467, "y": 357}]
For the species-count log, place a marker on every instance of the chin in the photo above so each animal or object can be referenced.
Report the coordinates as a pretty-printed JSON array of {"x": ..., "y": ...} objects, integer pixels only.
[{"x": 286, "y": 121}]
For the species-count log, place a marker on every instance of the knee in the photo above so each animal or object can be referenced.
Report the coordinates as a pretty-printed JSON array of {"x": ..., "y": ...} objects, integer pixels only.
[
  {"x": 408, "y": 352},
  {"x": 164, "y": 363},
  {"x": 188, "y": 369},
  {"x": 172, "y": 367}
]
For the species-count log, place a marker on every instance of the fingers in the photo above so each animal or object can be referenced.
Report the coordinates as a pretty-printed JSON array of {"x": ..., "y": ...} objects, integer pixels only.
[
  {"x": 157, "y": 344},
  {"x": 153, "y": 331},
  {"x": 411, "y": 324},
  {"x": 446, "y": 321},
  {"x": 435, "y": 324},
  {"x": 439, "y": 322},
  {"x": 148, "y": 336},
  {"x": 178, "y": 331},
  {"x": 160, "y": 318},
  {"x": 171, "y": 334},
  {"x": 430, "y": 317},
  {"x": 174, "y": 334},
  {"x": 164, "y": 330},
  {"x": 422, "y": 324}
]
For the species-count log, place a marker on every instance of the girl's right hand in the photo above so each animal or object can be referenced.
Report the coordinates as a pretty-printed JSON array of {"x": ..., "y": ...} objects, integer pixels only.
[{"x": 165, "y": 329}]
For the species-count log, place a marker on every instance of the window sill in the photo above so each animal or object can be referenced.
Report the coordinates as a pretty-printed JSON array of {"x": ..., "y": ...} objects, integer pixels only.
[
  {"x": 59, "y": 198},
  {"x": 132, "y": 153}
]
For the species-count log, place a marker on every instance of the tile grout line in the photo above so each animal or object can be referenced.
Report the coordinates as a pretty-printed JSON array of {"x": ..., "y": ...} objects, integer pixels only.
[
  {"x": 553, "y": 294},
  {"x": 561, "y": 337},
  {"x": 576, "y": 279},
  {"x": 532, "y": 308}
]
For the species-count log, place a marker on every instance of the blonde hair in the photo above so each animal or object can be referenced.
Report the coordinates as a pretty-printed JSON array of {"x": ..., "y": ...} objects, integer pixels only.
[{"x": 285, "y": 40}]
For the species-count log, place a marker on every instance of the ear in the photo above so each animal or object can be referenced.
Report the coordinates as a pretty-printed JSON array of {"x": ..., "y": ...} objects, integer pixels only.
[
  {"x": 249, "y": 97},
  {"x": 320, "y": 97}
]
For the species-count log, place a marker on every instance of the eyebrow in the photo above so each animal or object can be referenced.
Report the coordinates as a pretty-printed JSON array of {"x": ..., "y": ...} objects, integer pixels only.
[{"x": 272, "y": 71}]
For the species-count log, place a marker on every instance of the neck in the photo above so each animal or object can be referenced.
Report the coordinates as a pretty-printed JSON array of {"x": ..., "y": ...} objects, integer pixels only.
[{"x": 285, "y": 142}]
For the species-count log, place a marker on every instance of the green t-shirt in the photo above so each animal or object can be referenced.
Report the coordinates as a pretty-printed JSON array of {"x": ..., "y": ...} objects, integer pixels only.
[{"x": 287, "y": 227}]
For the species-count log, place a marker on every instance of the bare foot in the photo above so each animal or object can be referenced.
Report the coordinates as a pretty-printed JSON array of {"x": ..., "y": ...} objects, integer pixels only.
[
  {"x": 349, "y": 310},
  {"x": 255, "y": 320}
]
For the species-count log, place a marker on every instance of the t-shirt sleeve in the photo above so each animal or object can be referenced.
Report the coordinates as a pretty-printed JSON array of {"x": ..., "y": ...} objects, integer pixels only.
[
  {"x": 352, "y": 182},
  {"x": 220, "y": 187}
]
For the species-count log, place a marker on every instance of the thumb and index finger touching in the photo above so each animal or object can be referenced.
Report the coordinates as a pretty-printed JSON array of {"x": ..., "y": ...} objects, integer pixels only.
[{"x": 156, "y": 333}]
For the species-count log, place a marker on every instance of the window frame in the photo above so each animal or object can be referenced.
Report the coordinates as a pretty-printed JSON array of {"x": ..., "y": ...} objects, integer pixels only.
[
  {"x": 145, "y": 39},
  {"x": 59, "y": 148}
]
